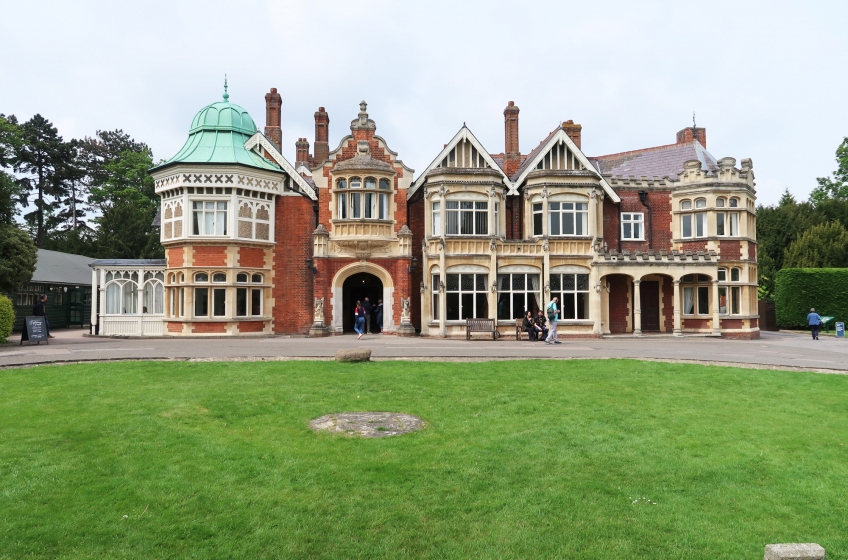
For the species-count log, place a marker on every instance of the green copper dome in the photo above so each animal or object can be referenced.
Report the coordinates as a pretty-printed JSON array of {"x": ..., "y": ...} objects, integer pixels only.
[{"x": 217, "y": 135}]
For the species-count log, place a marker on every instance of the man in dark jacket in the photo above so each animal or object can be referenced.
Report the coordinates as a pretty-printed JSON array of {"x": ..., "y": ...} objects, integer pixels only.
[
  {"x": 540, "y": 322},
  {"x": 368, "y": 309},
  {"x": 38, "y": 311},
  {"x": 380, "y": 314}
]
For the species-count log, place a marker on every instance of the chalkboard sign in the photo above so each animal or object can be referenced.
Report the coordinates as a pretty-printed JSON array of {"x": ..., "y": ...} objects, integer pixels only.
[{"x": 35, "y": 331}]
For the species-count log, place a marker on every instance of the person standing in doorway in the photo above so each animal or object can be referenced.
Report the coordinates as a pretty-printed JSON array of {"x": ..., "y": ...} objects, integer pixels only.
[
  {"x": 553, "y": 317},
  {"x": 380, "y": 315},
  {"x": 815, "y": 322},
  {"x": 368, "y": 310},
  {"x": 38, "y": 311},
  {"x": 359, "y": 319}
]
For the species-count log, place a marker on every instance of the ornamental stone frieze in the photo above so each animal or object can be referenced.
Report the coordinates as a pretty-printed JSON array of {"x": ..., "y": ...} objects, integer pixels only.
[{"x": 363, "y": 249}]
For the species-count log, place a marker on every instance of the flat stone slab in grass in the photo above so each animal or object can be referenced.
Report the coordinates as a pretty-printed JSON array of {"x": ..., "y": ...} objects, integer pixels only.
[
  {"x": 368, "y": 424},
  {"x": 794, "y": 551}
]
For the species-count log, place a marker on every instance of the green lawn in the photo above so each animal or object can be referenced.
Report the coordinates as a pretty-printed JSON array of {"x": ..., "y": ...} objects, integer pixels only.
[{"x": 606, "y": 459}]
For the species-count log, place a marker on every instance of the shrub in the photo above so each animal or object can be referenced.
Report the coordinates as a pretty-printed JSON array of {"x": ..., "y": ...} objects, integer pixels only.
[
  {"x": 7, "y": 318},
  {"x": 799, "y": 289}
]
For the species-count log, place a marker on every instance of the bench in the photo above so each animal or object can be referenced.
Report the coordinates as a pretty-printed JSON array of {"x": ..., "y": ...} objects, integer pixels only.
[
  {"x": 480, "y": 325},
  {"x": 519, "y": 328}
]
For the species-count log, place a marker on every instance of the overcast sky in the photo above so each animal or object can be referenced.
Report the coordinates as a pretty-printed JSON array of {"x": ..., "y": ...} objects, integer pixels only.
[{"x": 767, "y": 79}]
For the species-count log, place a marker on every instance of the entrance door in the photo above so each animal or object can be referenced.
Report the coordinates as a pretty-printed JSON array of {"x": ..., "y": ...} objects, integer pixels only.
[
  {"x": 650, "y": 292},
  {"x": 358, "y": 287},
  {"x": 76, "y": 307}
]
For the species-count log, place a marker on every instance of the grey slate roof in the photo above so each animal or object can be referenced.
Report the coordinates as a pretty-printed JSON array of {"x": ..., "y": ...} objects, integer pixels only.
[
  {"x": 62, "y": 268},
  {"x": 128, "y": 262},
  {"x": 157, "y": 219},
  {"x": 660, "y": 161}
]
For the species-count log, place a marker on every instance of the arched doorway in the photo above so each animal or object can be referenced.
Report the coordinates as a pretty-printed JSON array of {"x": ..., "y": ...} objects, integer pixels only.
[{"x": 357, "y": 287}]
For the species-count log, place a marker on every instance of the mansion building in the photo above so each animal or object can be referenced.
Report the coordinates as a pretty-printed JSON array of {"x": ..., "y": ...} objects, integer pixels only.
[{"x": 657, "y": 240}]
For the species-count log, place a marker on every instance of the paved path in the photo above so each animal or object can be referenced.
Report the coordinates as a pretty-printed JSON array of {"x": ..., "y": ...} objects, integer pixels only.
[{"x": 772, "y": 350}]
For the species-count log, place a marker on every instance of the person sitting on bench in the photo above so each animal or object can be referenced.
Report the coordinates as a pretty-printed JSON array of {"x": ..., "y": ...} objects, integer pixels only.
[
  {"x": 529, "y": 326},
  {"x": 540, "y": 322}
]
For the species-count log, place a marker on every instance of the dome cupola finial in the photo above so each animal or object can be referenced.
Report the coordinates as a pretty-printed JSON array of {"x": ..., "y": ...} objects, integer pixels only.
[{"x": 226, "y": 95}]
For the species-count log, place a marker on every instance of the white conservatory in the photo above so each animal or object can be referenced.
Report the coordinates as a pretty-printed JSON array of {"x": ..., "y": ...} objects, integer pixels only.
[{"x": 128, "y": 297}]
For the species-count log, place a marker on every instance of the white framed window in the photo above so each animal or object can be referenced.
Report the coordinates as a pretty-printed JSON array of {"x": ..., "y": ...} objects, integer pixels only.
[
  {"x": 538, "y": 218},
  {"x": 153, "y": 293},
  {"x": 729, "y": 296},
  {"x": 518, "y": 293},
  {"x": 633, "y": 226},
  {"x": 219, "y": 277},
  {"x": 342, "y": 212},
  {"x": 201, "y": 302},
  {"x": 219, "y": 302},
  {"x": 241, "y": 278},
  {"x": 568, "y": 218},
  {"x": 249, "y": 302},
  {"x": 437, "y": 218},
  {"x": 434, "y": 288},
  {"x": 209, "y": 217},
  {"x": 466, "y": 296},
  {"x": 467, "y": 217},
  {"x": 573, "y": 293},
  {"x": 497, "y": 219},
  {"x": 696, "y": 294},
  {"x": 700, "y": 224},
  {"x": 383, "y": 205},
  {"x": 200, "y": 277}
]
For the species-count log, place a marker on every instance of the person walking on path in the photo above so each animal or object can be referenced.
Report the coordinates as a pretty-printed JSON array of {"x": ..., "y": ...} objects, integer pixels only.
[
  {"x": 368, "y": 310},
  {"x": 359, "y": 319},
  {"x": 380, "y": 315},
  {"x": 553, "y": 316},
  {"x": 815, "y": 322},
  {"x": 541, "y": 323},
  {"x": 38, "y": 311}
]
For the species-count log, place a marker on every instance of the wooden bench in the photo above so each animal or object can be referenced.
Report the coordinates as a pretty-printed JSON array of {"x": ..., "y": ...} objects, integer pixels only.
[
  {"x": 519, "y": 328},
  {"x": 480, "y": 325}
]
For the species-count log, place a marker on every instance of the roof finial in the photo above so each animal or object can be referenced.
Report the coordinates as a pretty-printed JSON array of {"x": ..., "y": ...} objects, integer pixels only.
[
  {"x": 693, "y": 120},
  {"x": 226, "y": 95}
]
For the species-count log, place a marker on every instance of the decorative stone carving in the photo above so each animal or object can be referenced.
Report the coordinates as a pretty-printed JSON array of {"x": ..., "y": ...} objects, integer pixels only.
[
  {"x": 405, "y": 231},
  {"x": 318, "y": 327},
  {"x": 320, "y": 230},
  {"x": 423, "y": 288},
  {"x": 362, "y": 249},
  {"x": 443, "y": 190},
  {"x": 405, "y": 328}
]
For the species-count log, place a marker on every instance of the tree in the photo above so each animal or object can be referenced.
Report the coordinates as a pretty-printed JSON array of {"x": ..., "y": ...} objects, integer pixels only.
[
  {"x": 778, "y": 226},
  {"x": 41, "y": 158},
  {"x": 12, "y": 192},
  {"x": 822, "y": 246},
  {"x": 18, "y": 256},
  {"x": 836, "y": 188},
  {"x": 128, "y": 202}
]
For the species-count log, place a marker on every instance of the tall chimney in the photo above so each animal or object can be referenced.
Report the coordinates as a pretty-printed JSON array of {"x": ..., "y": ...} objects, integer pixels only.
[
  {"x": 322, "y": 135},
  {"x": 512, "y": 153},
  {"x": 273, "y": 102},
  {"x": 691, "y": 134},
  {"x": 302, "y": 151},
  {"x": 573, "y": 131}
]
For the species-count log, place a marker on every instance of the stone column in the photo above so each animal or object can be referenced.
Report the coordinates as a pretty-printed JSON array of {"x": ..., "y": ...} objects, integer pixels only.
[
  {"x": 493, "y": 280},
  {"x": 637, "y": 308},
  {"x": 678, "y": 330},
  {"x": 443, "y": 308},
  {"x": 716, "y": 317},
  {"x": 593, "y": 215},
  {"x": 595, "y": 301}
]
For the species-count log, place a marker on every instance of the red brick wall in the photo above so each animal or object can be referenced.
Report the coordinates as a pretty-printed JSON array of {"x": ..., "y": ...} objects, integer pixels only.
[
  {"x": 612, "y": 228},
  {"x": 730, "y": 250},
  {"x": 210, "y": 328},
  {"x": 415, "y": 211},
  {"x": 176, "y": 257},
  {"x": 702, "y": 324},
  {"x": 694, "y": 246},
  {"x": 251, "y": 326},
  {"x": 209, "y": 255},
  {"x": 174, "y": 327},
  {"x": 732, "y": 323},
  {"x": 292, "y": 291},
  {"x": 619, "y": 303},
  {"x": 752, "y": 251},
  {"x": 251, "y": 257},
  {"x": 658, "y": 232}
]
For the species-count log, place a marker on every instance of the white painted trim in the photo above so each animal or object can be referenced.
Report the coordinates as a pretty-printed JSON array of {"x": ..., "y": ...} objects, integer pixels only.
[
  {"x": 463, "y": 134},
  {"x": 259, "y": 139},
  {"x": 561, "y": 135}
]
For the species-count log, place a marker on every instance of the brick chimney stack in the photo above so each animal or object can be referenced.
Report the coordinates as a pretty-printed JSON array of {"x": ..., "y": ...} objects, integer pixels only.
[
  {"x": 322, "y": 135},
  {"x": 691, "y": 134},
  {"x": 273, "y": 103},
  {"x": 512, "y": 153},
  {"x": 573, "y": 131},
  {"x": 302, "y": 151}
]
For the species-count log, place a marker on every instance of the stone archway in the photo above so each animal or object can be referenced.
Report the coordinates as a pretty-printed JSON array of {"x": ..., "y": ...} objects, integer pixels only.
[{"x": 379, "y": 275}]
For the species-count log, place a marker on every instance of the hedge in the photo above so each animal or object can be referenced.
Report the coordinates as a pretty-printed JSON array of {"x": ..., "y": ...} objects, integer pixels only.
[
  {"x": 7, "y": 317},
  {"x": 797, "y": 290}
]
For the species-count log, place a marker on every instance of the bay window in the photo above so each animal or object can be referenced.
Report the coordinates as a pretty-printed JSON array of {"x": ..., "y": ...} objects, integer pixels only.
[
  {"x": 573, "y": 293},
  {"x": 466, "y": 296},
  {"x": 209, "y": 217},
  {"x": 467, "y": 217},
  {"x": 518, "y": 294},
  {"x": 538, "y": 218},
  {"x": 696, "y": 294},
  {"x": 568, "y": 218},
  {"x": 437, "y": 218}
]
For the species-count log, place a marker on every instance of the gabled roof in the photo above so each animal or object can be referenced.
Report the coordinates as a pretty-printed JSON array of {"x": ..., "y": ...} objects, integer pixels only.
[
  {"x": 659, "y": 161},
  {"x": 259, "y": 140},
  {"x": 62, "y": 268},
  {"x": 534, "y": 157},
  {"x": 464, "y": 134}
]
